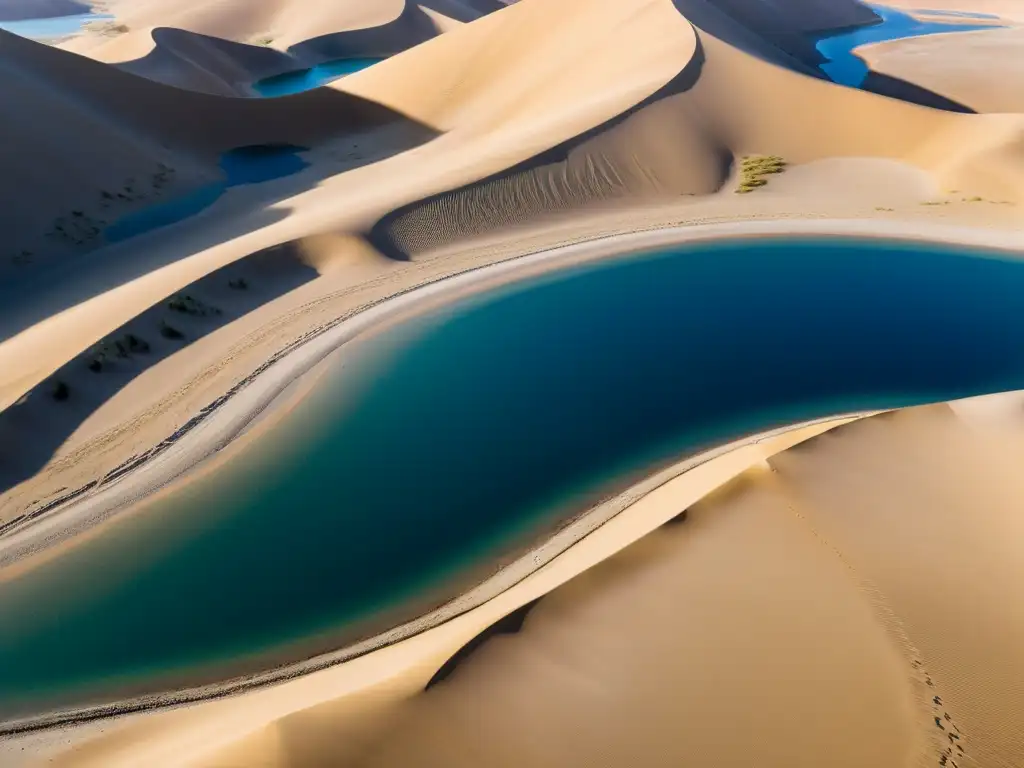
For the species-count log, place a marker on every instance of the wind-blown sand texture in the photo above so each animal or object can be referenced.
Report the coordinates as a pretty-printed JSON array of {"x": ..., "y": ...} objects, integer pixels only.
[{"x": 521, "y": 128}]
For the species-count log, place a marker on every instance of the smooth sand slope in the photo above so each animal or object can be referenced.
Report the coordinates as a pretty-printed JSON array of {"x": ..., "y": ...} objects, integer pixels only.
[
  {"x": 959, "y": 66},
  {"x": 616, "y": 112},
  {"x": 1005, "y": 9}
]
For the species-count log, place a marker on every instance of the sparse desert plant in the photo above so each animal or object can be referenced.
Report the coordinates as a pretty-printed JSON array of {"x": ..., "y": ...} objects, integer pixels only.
[
  {"x": 95, "y": 364},
  {"x": 239, "y": 285},
  {"x": 263, "y": 41},
  {"x": 754, "y": 168},
  {"x": 136, "y": 344},
  {"x": 60, "y": 391},
  {"x": 168, "y": 331}
]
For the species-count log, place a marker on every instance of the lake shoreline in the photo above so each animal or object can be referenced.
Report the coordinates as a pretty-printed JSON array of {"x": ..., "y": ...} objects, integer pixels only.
[{"x": 310, "y": 350}]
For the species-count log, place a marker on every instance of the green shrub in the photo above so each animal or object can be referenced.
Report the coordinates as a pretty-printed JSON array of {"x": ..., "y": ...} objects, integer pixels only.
[{"x": 754, "y": 168}]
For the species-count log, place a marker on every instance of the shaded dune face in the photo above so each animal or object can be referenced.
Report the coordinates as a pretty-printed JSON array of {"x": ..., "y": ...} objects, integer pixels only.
[
  {"x": 658, "y": 149},
  {"x": 195, "y": 57},
  {"x": 16, "y": 10},
  {"x": 134, "y": 129}
]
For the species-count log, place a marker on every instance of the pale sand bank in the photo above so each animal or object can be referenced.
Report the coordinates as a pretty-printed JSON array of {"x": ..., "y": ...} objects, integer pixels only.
[{"x": 959, "y": 66}]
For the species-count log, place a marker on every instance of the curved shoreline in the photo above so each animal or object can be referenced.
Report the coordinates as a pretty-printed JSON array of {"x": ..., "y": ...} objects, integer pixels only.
[{"x": 215, "y": 426}]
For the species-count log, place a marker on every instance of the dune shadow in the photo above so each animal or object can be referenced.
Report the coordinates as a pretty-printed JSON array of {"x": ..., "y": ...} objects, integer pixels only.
[
  {"x": 564, "y": 177},
  {"x": 64, "y": 282},
  {"x": 507, "y": 625},
  {"x": 411, "y": 27},
  {"x": 207, "y": 64},
  {"x": 904, "y": 90},
  {"x": 32, "y": 430}
]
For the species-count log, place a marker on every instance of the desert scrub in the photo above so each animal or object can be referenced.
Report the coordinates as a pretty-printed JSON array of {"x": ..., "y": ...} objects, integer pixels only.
[
  {"x": 239, "y": 285},
  {"x": 168, "y": 331},
  {"x": 59, "y": 391},
  {"x": 755, "y": 168},
  {"x": 187, "y": 305}
]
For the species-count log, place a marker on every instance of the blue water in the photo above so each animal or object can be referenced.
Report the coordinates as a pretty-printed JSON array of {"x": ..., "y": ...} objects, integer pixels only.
[
  {"x": 307, "y": 79},
  {"x": 846, "y": 68},
  {"x": 245, "y": 165},
  {"x": 304, "y": 80},
  {"x": 48, "y": 29},
  {"x": 431, "y": 447}
]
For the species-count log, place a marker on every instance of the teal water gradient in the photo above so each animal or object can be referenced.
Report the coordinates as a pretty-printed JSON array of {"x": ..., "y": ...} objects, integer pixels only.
[
  {"x": 426, "y": 450},
  {"x": 307, "y": 79}
]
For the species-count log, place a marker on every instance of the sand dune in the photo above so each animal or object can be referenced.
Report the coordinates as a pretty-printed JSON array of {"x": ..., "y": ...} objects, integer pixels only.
[
  {"x": 705, "y": 644},
  {"x": 959, "y": 66},
  {"x": 724, "y": 104},
  {"x": 202, "y": 63},
  {"x": 145, "y": 140},
  {"x": 908, "y": 522},
  {"x": 927, "y": 511},
  {"x": 1006, "y": 9},
  {"x": 189, "y": 44},
  {"x": 565, "y": 119}
]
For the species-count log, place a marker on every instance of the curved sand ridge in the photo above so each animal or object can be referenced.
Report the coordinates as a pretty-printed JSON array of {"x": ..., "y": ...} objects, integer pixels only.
[
  {"x": 683, "y": 139},
  {"x": 502, "y": 124},
  {"x": 229, "y": 420},
  {"x": 223, "y": 49},
  {"x": 759, "y": 106}
]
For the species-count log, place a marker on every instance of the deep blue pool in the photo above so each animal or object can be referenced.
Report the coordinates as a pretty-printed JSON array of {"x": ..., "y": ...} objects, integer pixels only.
[
  {"x": 427, "y": 449},
  {"x": 845, "y": 67},
  {"x": 307, "y": 79},
  {"x": 245, "y": 165}
]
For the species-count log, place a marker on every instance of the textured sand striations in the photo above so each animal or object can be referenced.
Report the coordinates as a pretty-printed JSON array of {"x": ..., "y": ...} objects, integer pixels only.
[{"x": 865, "y": 588}]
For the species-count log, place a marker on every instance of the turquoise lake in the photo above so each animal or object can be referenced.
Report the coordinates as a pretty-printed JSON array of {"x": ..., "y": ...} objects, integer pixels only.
[
  {"x": 845, "y": 67},
  {"x": 244, "y": 165},
  {"x": 307, "y": 79},
  {"x": 427, "y": 449},
  {"x": 54, "y": 27}
]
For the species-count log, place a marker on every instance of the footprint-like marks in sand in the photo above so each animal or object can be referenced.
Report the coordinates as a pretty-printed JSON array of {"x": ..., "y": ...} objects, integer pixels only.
[{"x": 950, "y": 746}]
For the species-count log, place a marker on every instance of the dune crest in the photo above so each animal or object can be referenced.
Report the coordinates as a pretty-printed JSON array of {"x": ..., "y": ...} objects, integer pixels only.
[{"x": 782, "y": 607}]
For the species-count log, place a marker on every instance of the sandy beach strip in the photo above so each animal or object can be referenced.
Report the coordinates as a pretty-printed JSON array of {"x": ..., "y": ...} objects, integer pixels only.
[
  {"x": 232, "y": 415},
  {"x": 219, "y": 422}
]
